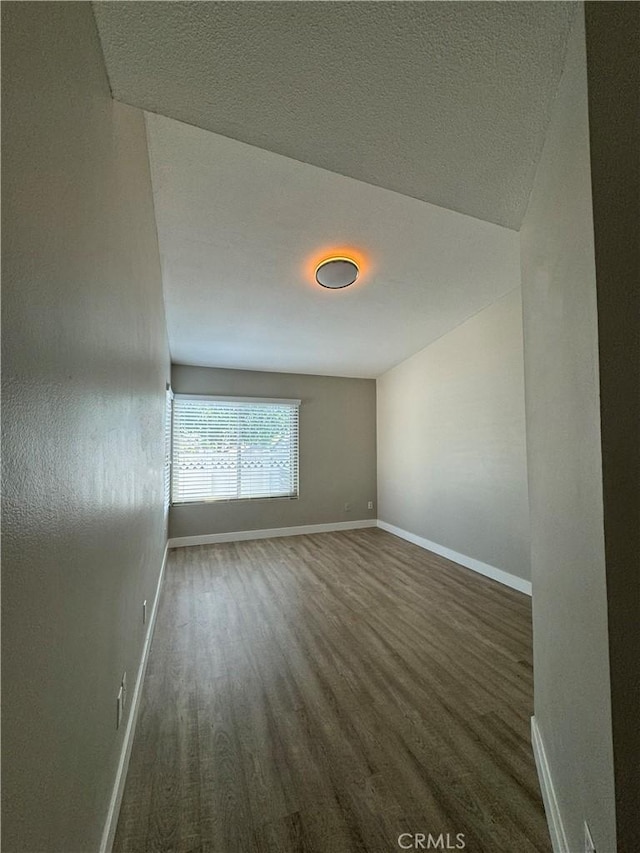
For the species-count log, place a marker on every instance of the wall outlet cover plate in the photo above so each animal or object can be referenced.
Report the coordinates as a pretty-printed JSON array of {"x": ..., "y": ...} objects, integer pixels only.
[
  {"x": 589, "y": 846},
  {"x": 119, "y": 708}
]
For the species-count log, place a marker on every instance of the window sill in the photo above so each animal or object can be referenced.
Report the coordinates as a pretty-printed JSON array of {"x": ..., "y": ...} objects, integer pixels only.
[{"x": 215, "y": 501}]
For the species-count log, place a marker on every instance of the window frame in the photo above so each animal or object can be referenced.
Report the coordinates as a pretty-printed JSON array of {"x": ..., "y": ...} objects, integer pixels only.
[
  {"x": 257, "y": 401},
  {"x": 168, "y": 447}
]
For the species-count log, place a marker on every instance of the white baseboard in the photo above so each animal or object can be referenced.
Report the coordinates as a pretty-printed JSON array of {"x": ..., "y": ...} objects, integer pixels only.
[
  {"x": 468, "y": 562},
  {"x": 270, "y": 533},
  {"x": 123, "y": 765},
  {"x": 273, "y": 532},
  {"x": 554, "y": 818}
]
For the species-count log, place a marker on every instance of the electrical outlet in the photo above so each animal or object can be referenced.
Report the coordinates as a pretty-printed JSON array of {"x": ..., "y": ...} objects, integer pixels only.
[
  {"x": 370, "y": 505},
  {"x": 347, "y": 507},
  {"x": 119, "y": 708},
  {"x": 589, "y": 846},
  {"x": 144, "y": 612}
]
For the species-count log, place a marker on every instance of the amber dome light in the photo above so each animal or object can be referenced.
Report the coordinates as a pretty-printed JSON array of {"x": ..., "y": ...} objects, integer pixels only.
[{"x": 336, "y": 273}]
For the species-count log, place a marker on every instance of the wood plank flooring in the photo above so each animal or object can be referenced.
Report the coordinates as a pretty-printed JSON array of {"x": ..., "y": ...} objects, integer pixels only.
[{"x": 325, "y": 694}]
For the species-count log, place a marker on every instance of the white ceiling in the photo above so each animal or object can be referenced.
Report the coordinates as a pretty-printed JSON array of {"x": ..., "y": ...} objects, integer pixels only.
[
  {"x": 446, "y": 102},
  {"x": 239, "y": 229}
]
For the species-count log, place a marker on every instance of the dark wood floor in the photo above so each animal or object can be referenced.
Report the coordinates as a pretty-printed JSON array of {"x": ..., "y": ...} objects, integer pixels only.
[{"x": 328, "y": 693}]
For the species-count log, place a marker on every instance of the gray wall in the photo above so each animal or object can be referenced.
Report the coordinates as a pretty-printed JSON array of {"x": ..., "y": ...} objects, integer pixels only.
[
  {"x": 451, "y": 441},
  {"x": 84, "y": 369},
  {"x": 571, "y": 666},
  {"x": 337, "y": 451},
  {"x": 613, "y": 69}
]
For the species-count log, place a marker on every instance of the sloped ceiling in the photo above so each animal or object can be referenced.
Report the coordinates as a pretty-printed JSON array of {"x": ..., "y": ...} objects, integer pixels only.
[
  {"x": 444, "y": 102},
  {"x": 240, "y": 230}
]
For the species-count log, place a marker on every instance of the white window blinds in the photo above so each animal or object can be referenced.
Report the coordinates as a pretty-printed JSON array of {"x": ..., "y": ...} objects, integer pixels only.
[
  {"x": 231, "y": 449},
  {"x": 167, "y": 448}
]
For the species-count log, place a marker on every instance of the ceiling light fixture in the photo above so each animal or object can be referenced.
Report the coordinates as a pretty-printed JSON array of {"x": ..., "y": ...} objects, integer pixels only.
[{"x": 336, "y": 272}]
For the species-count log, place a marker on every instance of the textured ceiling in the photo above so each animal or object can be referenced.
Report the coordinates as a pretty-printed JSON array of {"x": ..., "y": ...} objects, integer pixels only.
[
  {"x": 445, "y": 102},
  {"x": 240, "y": 228}
]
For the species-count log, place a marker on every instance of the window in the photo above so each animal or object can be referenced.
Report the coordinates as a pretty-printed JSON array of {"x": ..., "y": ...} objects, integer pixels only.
[
  {"x": 227, "y": 448},
  {"x": 167, "y": 448}
]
